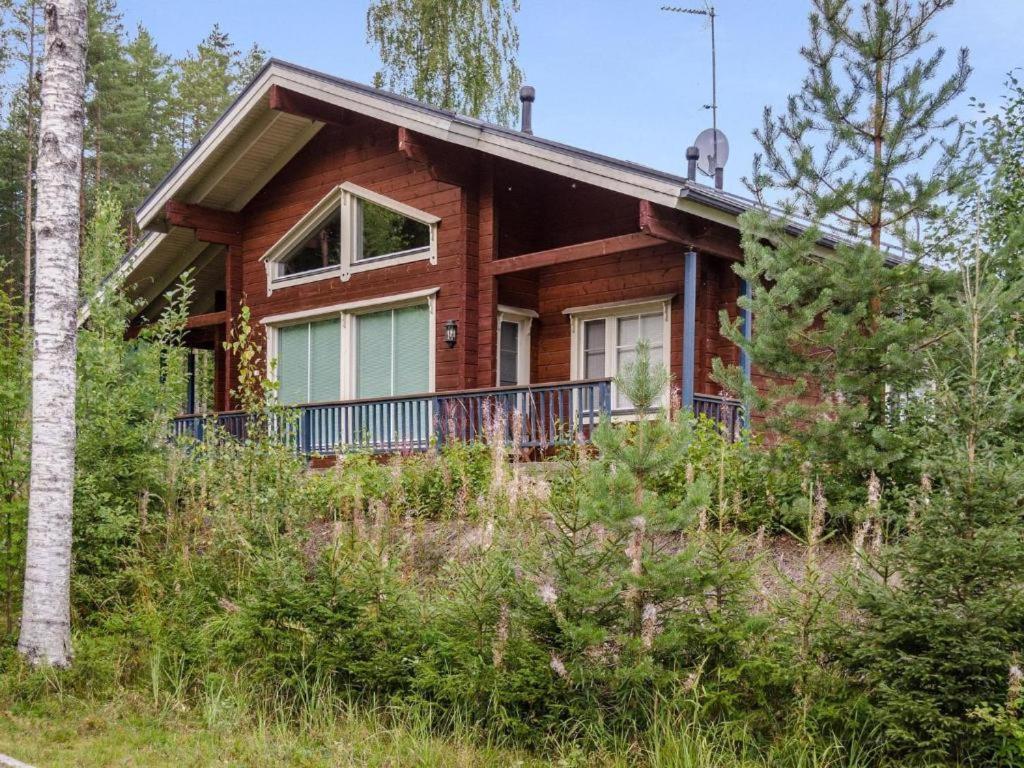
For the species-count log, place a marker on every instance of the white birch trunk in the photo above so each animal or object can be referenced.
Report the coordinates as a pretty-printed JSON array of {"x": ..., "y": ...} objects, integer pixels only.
[{"x": 45, "y": 621}]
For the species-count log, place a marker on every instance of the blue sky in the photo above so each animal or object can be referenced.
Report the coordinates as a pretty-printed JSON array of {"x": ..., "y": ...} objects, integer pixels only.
[{"x": 619, "y": 77}]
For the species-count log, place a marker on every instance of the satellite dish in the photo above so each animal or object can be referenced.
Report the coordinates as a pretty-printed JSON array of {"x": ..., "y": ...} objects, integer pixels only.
[{"x": 711, "y": 142}]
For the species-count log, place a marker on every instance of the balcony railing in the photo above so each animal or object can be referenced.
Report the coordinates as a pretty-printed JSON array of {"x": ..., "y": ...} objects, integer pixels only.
[{"x": 529, "y": 417}]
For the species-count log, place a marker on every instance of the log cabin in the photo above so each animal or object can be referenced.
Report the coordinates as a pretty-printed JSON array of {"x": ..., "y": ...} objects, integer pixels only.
[{"x": 413, "y": 270}]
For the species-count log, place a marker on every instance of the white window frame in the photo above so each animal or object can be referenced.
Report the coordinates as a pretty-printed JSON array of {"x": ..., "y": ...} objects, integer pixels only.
[
  {"x": 610, "y": 313},
  {"x": 524, "y": 319},
  {"x": 343, "y": 201},
  {"x": 347, "y": 313}
]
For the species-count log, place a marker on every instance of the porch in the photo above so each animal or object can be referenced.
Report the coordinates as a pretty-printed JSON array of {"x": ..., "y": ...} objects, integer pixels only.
[{"x": 530, "y": 418}]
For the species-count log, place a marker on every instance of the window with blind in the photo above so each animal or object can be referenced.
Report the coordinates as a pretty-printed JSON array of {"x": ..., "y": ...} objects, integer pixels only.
[
  {"x": 309, "y": 362},
  {"x": 393, "y": 352}
]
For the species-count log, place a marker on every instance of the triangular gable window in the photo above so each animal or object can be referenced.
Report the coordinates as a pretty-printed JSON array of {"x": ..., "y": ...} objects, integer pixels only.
[
  {"x": 322, "y": 249},
  {"x": 351, "y": 229}
]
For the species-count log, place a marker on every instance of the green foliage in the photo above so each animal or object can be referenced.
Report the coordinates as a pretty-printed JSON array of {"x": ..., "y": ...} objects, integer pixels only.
[
  {"x": 868, "y": 142},
  {"x": 14, "y": 372},
  {"x": 754, "y": 486},
  {"x": 208, "y": 79},
  {"x": 120, "y": 439},
  {"x": 836, "y": 331},
  {"x": 942, "y": 637},
  {"x": 458, "y": 55}
]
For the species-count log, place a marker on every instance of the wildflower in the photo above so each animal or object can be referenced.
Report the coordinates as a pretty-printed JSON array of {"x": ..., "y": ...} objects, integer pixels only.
[
  {"x": 648, "y": 625},
  {"x": 1015, "y": 687},
  {"x": 547, "y": 593},
  {"x": 558, "y": 667},
  {"x": 874, "y": 492},
  {"x": 500, "y": 636},
  {"x": 227, "y": 605},
  {"x": 818, "y": 512}
]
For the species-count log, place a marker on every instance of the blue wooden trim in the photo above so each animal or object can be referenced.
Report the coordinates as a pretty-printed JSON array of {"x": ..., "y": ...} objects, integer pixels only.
[
  {"x": 190, "y": 392},
  {"x": 748, "y": 334},
  {"x": 689, "y": 326},
  {"x": 747, "y": 330}
]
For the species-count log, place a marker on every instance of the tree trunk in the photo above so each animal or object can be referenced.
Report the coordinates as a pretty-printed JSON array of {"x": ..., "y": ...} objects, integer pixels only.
[
  {"x": 45, "y": 619},
  {"x": 30, "y": 151}
]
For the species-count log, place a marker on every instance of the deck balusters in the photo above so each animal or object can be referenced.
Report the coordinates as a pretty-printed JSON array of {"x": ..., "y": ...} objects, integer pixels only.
[{"x": 549, "y": 415}]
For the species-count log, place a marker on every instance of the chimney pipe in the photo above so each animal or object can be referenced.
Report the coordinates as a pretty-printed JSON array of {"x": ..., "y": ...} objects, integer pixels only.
[
  {"x": 692, "y": 155},
  {"x": 719, "y": 177},
  {"x": 527, "y": 94}
]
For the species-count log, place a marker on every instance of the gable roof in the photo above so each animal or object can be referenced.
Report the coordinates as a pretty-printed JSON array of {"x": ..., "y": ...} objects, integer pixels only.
[{"x": 250, "y": 142}]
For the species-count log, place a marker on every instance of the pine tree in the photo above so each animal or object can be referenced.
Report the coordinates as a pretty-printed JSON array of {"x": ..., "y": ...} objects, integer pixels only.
[
  {"x": 137, "y": 143},
  {"x": 207, "y": 80},
  {"x": 845, "y": 326},
  {"x": 642, "y": 587},
  {"x": 18, "y": 146},
  {"x": 459, "y": 55},
  {"x": 939, "y": 646},
  {"x": 870, "y": 111}
]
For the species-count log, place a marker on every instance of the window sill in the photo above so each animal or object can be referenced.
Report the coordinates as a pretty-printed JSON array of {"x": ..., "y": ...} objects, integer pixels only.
[
  {"x": 380, "y": 262},
  {"x": 327, "y": 273}
]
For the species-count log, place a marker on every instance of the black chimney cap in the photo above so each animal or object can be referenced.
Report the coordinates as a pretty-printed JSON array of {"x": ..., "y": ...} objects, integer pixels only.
[
  {"x": 527, "y": 93},
  {"x": 692, "y": 153}
]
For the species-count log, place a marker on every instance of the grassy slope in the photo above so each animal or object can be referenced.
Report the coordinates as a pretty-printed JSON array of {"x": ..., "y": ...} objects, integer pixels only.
[{"x": 85, "y": 735}]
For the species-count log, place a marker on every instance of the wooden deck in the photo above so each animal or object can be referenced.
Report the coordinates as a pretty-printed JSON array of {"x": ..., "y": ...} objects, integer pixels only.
[{"x": 533, "y": 417}]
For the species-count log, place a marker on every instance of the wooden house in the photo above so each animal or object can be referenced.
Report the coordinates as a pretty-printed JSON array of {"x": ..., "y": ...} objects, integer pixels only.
[{"x": 414, "y": 269}]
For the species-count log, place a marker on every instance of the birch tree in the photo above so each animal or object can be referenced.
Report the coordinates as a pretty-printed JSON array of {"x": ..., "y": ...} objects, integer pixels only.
[
  {"x": 454, "y": 54},
  {"x": 45, "y": 620}
]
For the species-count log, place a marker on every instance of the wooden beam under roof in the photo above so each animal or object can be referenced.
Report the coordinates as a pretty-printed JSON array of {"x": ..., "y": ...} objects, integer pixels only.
[
  {"x": 210, "y": 225},
  {"x": 295, "y": 103},
  {"x": 206, "y": 320},
  {"x": 708, "y": 237},
  {"x": 576, "y": 252}
]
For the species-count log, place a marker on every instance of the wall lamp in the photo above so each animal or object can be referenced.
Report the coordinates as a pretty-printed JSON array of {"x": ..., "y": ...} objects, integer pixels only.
[{"x": 451, "y": 333}]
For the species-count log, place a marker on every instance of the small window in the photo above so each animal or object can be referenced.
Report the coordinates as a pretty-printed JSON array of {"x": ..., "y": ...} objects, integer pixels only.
[
  {"x": 508, "y": 367},
  {"x": 385, "y": 233},
  {"x": 350, "y": 230},
  {"x": 593, "y": 349}
]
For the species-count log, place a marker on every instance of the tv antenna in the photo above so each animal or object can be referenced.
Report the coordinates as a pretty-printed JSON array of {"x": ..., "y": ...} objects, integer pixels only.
[{"x": 709, "y": 11}]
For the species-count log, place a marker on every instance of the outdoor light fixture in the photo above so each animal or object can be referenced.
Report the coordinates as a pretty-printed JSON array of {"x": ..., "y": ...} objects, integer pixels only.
[{"x": 451, "y": 332}]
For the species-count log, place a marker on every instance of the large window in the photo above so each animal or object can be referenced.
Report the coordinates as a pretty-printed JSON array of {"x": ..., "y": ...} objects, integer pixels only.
[
  {"x": 309, "y": 362},
  {"x": 351, "y": 229},
  {"x": 393, "y": 352},
  {"x": 605, "y": 339}
]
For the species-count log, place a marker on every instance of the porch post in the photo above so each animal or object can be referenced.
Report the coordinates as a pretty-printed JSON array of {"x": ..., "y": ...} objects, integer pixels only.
[
  {"x": 689, "y": 326},
  {"x": 748, "y": 328},
  {"x": 190, "y": 392}
]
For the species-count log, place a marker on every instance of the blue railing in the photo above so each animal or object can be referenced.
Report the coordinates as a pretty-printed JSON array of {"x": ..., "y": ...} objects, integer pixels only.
[{"x": 528, "y": 417}]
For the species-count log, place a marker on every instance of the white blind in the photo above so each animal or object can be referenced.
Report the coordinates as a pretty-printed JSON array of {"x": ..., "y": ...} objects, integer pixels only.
[
  {"x": 373, "y": 354},
  {"x": 293, "y": 363},
  {"x": 411, "y": 350},
  {"x": 325, "y": 361}
]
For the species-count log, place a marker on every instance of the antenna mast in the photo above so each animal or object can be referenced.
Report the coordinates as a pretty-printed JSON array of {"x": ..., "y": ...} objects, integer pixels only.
[{"x": 709, "y": 11}]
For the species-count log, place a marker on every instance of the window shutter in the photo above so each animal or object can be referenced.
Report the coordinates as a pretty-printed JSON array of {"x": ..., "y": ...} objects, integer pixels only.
[
  {"x": 325, "y": 361},
  {"x": 373, "y": 354},
  {"x": 292, "y": 364},
  {"x": 412, "y": 350}
]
